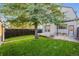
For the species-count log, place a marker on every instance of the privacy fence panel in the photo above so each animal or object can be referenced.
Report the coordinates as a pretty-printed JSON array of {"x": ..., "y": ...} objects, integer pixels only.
[
  {"x": 78, "y": 33},
  {"x": 19, "y": 32}
]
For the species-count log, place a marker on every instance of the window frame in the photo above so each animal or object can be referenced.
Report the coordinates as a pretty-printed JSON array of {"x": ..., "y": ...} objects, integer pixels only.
[{"x": 47, "y": 28}]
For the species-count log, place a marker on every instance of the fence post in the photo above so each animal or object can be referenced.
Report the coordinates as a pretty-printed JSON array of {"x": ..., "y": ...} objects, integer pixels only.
[{"x": 1, "y": 32}]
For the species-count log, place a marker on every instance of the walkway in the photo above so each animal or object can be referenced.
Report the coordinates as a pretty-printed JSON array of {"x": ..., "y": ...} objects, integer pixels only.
[{"x": 66, "y": 38}]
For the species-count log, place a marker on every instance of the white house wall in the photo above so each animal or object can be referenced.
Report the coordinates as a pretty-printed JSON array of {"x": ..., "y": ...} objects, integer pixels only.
[
  {"x": 69, "y": 13},
  {"x": 53, "y": 30},
  {"x": 67, "y": 30}
]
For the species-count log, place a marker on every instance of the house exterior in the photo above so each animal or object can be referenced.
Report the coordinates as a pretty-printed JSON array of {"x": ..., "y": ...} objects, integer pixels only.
[{"x": 69, "y": 28}]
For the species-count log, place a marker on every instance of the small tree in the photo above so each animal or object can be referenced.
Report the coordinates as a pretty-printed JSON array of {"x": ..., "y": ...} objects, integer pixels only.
[{"x": 35, "y": 14}]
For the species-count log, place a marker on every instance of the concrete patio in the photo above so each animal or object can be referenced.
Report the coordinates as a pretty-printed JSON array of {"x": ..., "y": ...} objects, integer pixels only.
[{"x": 63, "y": 37}]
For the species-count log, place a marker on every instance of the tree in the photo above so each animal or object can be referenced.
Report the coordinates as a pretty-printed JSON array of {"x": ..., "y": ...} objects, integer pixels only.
[{"x": 34, "y": 14}]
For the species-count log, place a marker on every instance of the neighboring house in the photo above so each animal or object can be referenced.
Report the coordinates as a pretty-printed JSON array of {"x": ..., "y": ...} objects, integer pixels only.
[{"x": 69, "y": 28}]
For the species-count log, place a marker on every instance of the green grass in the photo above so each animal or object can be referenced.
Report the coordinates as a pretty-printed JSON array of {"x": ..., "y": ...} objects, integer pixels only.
[{"x": 28, "y": 46}]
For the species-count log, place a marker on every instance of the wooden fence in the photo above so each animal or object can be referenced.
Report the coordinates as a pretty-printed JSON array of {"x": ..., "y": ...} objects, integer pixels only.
[{"x": 19, "y": 32}]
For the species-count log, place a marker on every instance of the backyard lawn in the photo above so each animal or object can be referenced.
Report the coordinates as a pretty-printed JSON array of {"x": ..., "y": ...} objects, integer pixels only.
[{"x": 28, "y": 46}]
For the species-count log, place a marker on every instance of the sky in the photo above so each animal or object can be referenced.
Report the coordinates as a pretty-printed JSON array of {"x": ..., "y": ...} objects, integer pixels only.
[{"x": 75, "y": 6}]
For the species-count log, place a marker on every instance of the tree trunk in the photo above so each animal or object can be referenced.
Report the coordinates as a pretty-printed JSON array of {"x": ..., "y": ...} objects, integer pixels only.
[{"x": 36, "y": 31}]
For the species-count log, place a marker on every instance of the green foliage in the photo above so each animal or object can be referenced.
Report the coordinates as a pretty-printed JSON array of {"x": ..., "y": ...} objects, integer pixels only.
[
  {"x": 19, "y": 21},
  {"x": 28, "y": 46},
  {"x": 33, "y": 13},
  {"x": 13, "y": 9},
  {"x": 44, "y": 13}
]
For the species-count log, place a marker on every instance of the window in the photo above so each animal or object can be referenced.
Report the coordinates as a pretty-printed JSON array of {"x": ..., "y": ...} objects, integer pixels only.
[
  {"x": 47, "y": 28},
  {"x": 71, "y": 27}
]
